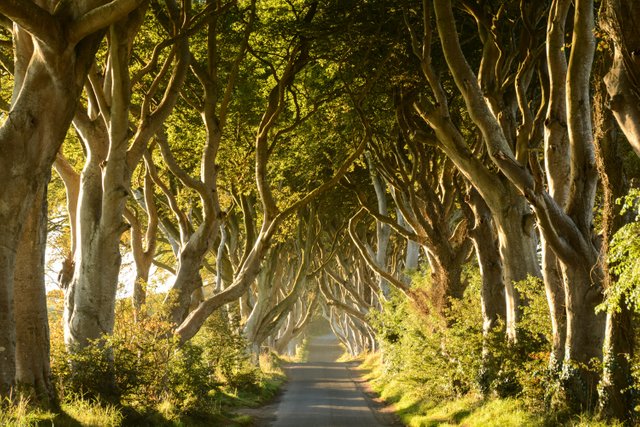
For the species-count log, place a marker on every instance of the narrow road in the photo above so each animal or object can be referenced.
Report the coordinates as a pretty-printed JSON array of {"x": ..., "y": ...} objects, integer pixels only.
[{"x": 323, "y": 392}]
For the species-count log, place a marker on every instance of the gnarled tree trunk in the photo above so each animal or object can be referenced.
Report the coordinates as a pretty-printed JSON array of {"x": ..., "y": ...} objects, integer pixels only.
[
  {"x": 33, "y": 371},
  {"x": 106, "y": 179},
  {"x": 568, "y": 230}
]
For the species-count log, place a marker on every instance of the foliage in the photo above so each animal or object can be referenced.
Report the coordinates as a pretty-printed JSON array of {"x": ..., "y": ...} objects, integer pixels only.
[
  {"x": 530, "y": 360},
  {"x": 437, "y": 359},
  {"x": 422, "y": 352},
  {"x": 140, "y": 364},
  {"x": 224, "y": 353},
  {"x": 469, "y": 410},
  {"x": 145, "y": 370},
  {"x": 624, "y": 253}
]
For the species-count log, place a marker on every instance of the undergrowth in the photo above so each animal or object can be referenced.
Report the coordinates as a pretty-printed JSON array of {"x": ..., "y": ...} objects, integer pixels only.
[
  {"x": 436, "y": 370},
  {"x": 141, "y": 376}
]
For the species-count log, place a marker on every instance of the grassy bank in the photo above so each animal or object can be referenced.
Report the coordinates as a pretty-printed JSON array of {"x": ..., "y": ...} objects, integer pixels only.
[
  {"x": 416, "y": 409},
  {"x": 225, "y": 401}
]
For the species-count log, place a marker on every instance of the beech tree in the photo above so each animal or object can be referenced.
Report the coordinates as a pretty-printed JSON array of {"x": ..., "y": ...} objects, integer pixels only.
[
  {"x": 427, "y": 192},
  {"x": 277, "y": 294},
  {"x": 283, "y": 113},
  {"x": 213, "y": 103},
  {"x": 113, "y": 154},
  {"x": 54, "y": 46},
  {"x": 217, "y": 132},
  {"x": 512, "y": 215},
  {"x": 287, "y": 338},
  {"x": 568, "y": 228}
]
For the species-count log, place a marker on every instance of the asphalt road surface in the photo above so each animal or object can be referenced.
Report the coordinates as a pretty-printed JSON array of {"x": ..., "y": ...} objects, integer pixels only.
[{"x": 325, "y": 393}]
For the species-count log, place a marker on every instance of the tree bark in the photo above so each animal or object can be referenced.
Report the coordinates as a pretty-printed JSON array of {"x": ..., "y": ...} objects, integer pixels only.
[
  {"x": 33, "y": 373},
  {"x": 557, "y": 171},
  {"x": 492, "y": 297},
  {"x": 486, "y": 245},
  {"x": 620, "y": 19},
  {"x": 90, "y": 298},
  {"x": 71, "y": 180},
  {"x": 143, "y": 245},
  {"x": 616, "y": 400},
  {"x": 554, "y": 289},
  {"x": 272, "y": 276},
  {"x": 383, "y": 231},
  {"x": 585, "y": 336}
]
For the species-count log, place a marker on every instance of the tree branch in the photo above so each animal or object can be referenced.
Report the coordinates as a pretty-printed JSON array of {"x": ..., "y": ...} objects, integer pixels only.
[
  {"x": 35, "y": 20},
  {"x": 371, "y": 263},
  {"x": 101, "y": 17}
]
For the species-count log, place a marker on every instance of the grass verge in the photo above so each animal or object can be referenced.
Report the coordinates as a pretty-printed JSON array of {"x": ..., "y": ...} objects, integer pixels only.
[
  {"x": 416, "y": 410},
  {"x": 78, "y": 411}
]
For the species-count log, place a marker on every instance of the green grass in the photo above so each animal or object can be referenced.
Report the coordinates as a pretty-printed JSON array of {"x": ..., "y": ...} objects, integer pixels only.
[
  {"x": 93, "y": 413},
  {"x": 471, "y": 411},
  {"x": 78, "y": 411},
  {"x": 19, "y": 414},
  {"x": 415, "y": 410}
]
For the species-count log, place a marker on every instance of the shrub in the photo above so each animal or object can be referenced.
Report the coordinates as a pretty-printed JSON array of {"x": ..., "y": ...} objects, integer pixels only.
[
  {"x": 445, "y": 357},
  {"x": 141, "y": 364}
]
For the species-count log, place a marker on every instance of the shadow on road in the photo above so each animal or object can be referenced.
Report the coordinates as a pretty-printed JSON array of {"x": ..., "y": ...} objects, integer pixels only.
[{"x": 323, "y": 392}]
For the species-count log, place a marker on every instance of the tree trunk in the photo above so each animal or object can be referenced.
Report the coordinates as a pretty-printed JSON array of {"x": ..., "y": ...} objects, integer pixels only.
[
  {"x": 446, "y": 283},
  {"x": 412, "y": 254},
  {"x": 557, "y": 171},
  {"x": 615, "y": 392},
  {"x": 268, "y": 281},
  {"x": 492, "y": 292},
  {"x": 517, "y": 245},
  {"x": 30, "y": 138},
  {"x": 585, "y": 336},
  {"x": 616, "y": 399},
  {"x": 52, "y": 54},
  {"x": 188, "y": 279},
  {"x": 71, "y": 180},
  {"x": 90, "y": 298},
  {"x": 33, "y": 371},
  {"x": 13, "y": 209},
  {"x": 486, "y": 245},
  {"x": 143, "y": 245},
  {"x": 554, "y": 289},
  {"x": 620, "y": 19},
  {"x": 383, "y": 231}
]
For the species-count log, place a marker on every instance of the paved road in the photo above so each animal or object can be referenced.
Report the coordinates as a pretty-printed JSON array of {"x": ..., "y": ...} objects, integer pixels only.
[{"x": 322, "y": 392}]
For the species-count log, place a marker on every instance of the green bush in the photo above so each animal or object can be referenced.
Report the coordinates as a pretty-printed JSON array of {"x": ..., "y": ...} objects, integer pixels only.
[
  {"x": 437, "y": 358},
  {"x": 624, "y": 252},
  {"x": 225, "y": 351},
  {"x": 143, "y": 366},
  {"x": 448, "y": 357}
]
